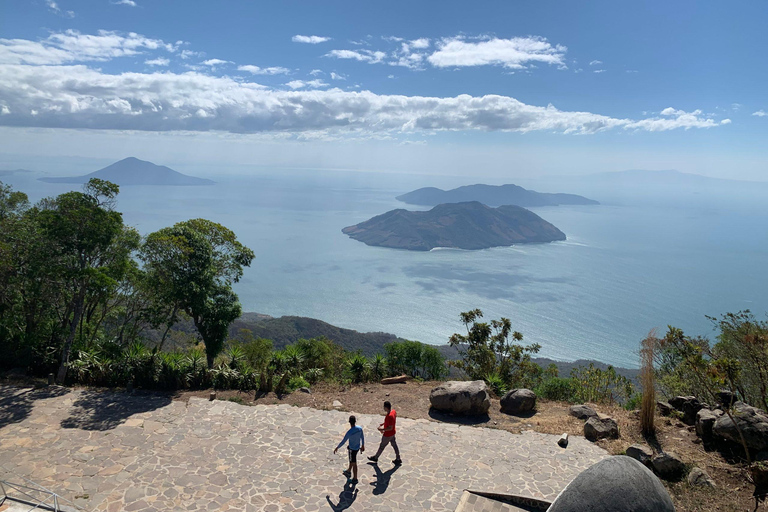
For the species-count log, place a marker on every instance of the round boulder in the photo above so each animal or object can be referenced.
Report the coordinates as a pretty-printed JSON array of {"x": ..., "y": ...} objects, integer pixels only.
[
  {"x": 699, "y": 477},
  {"x": 582, "y": 412},
  {"x": 613, "y": 484},
  {"x": 468, "y": 398},
  {"x": 640, "y": 453},
  {"x": 753, "y": 424},
  {"x": 597, "y": 428},
  {"x": 668, "y": 466},
  {"x": 518, "y": 401}
]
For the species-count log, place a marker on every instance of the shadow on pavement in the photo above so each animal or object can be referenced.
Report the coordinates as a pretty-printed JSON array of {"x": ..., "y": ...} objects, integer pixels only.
[
  {"x": 459, "y": 420},
  {"x": 16, "y": 403},
  {"x": 382, "y": 479},
  {"x": 105, "y": 410},
  {"x": 347, "y": 496}
]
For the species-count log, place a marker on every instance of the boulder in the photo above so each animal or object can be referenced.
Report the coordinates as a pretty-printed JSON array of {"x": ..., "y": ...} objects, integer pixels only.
[
  {"x": 699, "y": 477},
  {"x": 705, "y": 420},
  {"x": 668, "y": 466},
  {"x": 689, "y": 406},
  {"x": 336, "y": 404},
  {"x": 395, "y": 380},
  {"x": 601, "y": 428},
  {"x": 664, "y": 408},
  {"x": 469, "y": 398},
  {"x": 582, "y": 412},
  {"x": 753, "y": 424},
  {"x": 518, "y": 401},
  {"x": 305, "y": 389},
  {"x": 614, "y": 484},
  {"x": 640, "y": 453}
]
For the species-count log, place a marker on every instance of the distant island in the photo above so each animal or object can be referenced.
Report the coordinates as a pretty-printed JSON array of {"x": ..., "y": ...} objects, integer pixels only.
[
  {"x": 132, "y": 171},
  {"x": 492, "y": 196},
  {"x": 469, "y": 225}
]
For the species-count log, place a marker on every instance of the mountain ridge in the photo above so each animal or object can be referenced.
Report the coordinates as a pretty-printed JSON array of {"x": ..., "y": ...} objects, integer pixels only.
[
  {"x": 492, "y": 195},
  {"x": 132, "y": 171}
]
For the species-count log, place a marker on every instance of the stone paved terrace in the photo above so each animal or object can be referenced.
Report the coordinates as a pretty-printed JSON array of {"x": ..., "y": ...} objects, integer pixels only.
[{"x": 145, "y": 452}]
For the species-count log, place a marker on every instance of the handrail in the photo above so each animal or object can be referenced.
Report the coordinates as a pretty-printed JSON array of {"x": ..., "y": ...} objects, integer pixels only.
[{"x": 29, "y": 499}]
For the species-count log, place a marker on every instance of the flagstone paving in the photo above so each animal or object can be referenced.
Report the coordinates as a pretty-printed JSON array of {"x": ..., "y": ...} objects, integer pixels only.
[{"x": 113, "y": 451}]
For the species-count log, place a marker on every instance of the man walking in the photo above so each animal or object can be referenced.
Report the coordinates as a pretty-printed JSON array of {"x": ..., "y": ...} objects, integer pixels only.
[
  {"x": 387, "y": 430},
  {"x": 356, "y": 443}
]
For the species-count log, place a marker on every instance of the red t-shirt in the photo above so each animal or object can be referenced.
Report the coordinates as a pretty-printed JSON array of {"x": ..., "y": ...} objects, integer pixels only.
[{"x": 389, "y": 421}]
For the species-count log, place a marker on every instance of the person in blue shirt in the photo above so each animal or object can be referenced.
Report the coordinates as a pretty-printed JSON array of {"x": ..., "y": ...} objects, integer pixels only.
[{"x": 356, "y": 444}]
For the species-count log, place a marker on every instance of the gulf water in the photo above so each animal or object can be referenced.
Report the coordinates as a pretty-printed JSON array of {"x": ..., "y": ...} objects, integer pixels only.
[{"x": 628, "y": 266}]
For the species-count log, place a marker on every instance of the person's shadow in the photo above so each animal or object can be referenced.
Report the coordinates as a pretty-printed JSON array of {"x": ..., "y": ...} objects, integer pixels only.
[
  {"x": 347, "y": 496},
  {"x": 382, "y": 479}
]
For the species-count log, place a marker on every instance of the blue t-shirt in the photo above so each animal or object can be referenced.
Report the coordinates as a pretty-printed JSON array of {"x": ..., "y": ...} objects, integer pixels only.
[{"x": 355, "y": 437}]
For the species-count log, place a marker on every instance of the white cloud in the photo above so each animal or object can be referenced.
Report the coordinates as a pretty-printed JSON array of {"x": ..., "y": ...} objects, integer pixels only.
[
  {"x": 72, "y": 46},
  {"x": 306, "y": 84},
  {"x": 599, "y": 71},
  {"x": 420, "y": 43},
  {"x": 214, "y": 62},
  {"x": 54, "y": 7},
  {"x": 513, "y": 53},
  {"x": 760, "y": 113},
  {"x": 256, "y": 70},
  {"x": 725, "y": 121},
  {"x": 336, "y": 76},
  {"x": 4, "y": 111},
  {"x": 129, "y": 3},
  {"x": 316, "y": 72},
  {"x": 160, "y": 61},
  {"x": 360, "y": 55},
  {"x": 309, "y": 39},
  {"x": 595, "y": 63},
  {"x": 188, "y": 54},
  {"x": 78, "y": 96}
]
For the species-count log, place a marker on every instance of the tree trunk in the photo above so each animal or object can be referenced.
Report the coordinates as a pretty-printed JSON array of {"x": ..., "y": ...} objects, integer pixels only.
[{"x": 65, "y": 352}]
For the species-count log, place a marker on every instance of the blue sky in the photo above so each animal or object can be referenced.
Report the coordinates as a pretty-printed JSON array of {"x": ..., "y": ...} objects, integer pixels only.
[{"x": 482, "y": 88}]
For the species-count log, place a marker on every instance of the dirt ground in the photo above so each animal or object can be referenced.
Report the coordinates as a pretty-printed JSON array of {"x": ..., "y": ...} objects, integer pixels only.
[{"x": 733, "y": 491}]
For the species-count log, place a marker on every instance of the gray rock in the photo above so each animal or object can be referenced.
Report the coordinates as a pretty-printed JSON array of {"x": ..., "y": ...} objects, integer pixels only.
[
  {"x": 689, "y": 406},
  {"x": 518, "y": 401},
  {"x": 699, "y": 477},
  {"x": 753, "y": 424},
  {"x": 668, "y": 466},
  {"x": 640, "y": 453},
  {"x": 305, "y": 390},
  {"x": 601, "y": 428},
  {"x": 336, "y": 404},
  {"x": 726, "y": 398},
  {"x": 614, "y": 484},
  {"x": 582, "y": 412},
  {"x": 468, "y": 398},
  {"x": 664, "y": 408},
  {"x": 705, "y": 421}
]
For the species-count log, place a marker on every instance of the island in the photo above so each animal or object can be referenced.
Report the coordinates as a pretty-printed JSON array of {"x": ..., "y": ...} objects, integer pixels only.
[
  {"x": 469, "y": 225},
  {"x": 492, "y": 196},
  {"x": 132, "y": 171}
]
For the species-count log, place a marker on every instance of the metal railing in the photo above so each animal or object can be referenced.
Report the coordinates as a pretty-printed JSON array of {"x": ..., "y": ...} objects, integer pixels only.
[{"x": 31, "y": 494}]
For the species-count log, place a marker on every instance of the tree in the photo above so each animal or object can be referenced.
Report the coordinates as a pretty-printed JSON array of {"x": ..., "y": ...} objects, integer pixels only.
[
  {"x": 487, "y": 350},
  {"x": 192, "y": 266},
  {"x": 83, "y": 228}
]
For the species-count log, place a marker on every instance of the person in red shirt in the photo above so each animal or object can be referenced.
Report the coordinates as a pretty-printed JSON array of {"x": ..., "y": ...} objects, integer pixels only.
[{"x": 388, "y": 431}]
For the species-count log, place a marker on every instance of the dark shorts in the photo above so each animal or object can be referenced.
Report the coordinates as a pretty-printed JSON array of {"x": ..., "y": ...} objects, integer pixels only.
[{"x": 352, "y": 455}]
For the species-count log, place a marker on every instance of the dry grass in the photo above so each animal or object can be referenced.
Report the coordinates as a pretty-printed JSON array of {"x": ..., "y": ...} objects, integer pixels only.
[{"x": 648, "y": 383}]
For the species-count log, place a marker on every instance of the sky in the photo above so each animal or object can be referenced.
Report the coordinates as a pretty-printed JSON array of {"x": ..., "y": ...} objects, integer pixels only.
[{"x": 502, "y": 89}]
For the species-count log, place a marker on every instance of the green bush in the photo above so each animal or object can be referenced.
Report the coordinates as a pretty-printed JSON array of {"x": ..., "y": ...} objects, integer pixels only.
[
  {"x": 297, "y": 382},
  {"x": 558, "y": 388},
  {"x": 415, "y": 359},
  {"x": 496, "y": 383}
]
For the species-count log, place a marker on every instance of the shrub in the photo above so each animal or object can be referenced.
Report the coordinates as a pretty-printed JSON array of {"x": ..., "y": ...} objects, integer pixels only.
[
  {"x": 415, "y": 359},
  {"x": 601, "y": 386},
  {"x": 558, "y": 388},
  {"x": 496, "y": 383},
  {"x": 358, "y": 368},
  {"x": 297, "y": 382}
]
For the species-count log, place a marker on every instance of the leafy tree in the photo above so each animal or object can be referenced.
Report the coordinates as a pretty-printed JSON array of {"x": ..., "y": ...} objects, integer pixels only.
[
  {"x": 89, "y": 246},
  {"x": 494, "y": 349},
  {"x": 192, "y": 266},
  {"x": 415, "y": 359}
]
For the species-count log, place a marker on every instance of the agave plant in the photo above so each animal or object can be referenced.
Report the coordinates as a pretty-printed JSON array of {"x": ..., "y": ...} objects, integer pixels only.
[
  {"x": 234, "y": 356},
  {"x": 496, "y": 383},
  {"x": 313, "y": 375},
  {"x": 358, "y": 367},
  {"x": 378, "y": 366},
  {"x": 294, "y": 358}
]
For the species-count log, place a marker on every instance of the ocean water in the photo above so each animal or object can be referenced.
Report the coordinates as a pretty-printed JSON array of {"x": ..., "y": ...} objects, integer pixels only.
[{"x": 626, "y": 267}]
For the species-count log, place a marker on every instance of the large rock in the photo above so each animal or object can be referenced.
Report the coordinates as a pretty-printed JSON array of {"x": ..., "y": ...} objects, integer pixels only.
[
  {"x": 664, "y": 408},
  {"x": 518, "y": 401},
  {"x": 597, "y": 428},
  {"x": 583, "y": 412},
  {"x": 614, "y": 484},
  {"x": 467, "y": 398},
  {"x": 753, "y": 424},
  {"x": 726, "y": 398},
  {"x": 705, "y": 421},
  {"x": 668, "y": 466},
  {"x": 689, "y": 406},
  {"x": 640, "y": 453}
]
